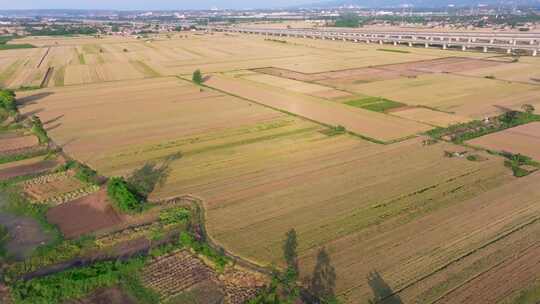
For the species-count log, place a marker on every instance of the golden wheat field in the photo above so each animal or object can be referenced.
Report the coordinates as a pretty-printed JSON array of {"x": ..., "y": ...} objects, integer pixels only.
[{"x": 258, "y": 144}]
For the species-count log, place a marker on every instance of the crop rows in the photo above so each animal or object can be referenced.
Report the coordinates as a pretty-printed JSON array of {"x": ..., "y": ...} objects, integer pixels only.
[
  {"x": 44, "y": 179},
  {"x": 172, "y": 274},
  {"x": 125, "y": 235},
  {"x": 240, "y": 286},
  {"x": 69, "y": 196}
]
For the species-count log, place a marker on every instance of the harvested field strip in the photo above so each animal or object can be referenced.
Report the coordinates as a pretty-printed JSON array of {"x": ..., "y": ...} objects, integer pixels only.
[
  {"x": 59, "y": 76},
  {"x": 499, "y": 282},
  {"x": 182, "y": 112},
  {"x": 212, "y": 143},
  {"x": 9, "y": 72},
  {"x": 144, "y": 68},
  {"x": 373, "y": 125},
  {"x": 461, "y": 229},
  {"x": 452, "y": 93},
  {"x": 431, "y": 117}
]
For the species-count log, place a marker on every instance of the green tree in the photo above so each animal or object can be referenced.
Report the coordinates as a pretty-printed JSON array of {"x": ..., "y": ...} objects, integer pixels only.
[
  {"x": 8, "y": 102},
  {"x": 38, "y": 130},
  {"x": 197, "y": 77}
]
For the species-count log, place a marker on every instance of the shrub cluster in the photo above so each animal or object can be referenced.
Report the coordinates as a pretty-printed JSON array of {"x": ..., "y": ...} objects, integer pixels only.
[
  {"x": 460, "y": 133},
  {"x": 38, "y": 130},
  {"x": 197, "y": 77},
  {"x": 79, "y": 282},
  {"x": 123, "y": 197},
  {"x": 516, "y": 161},
  {"x": 174, "y": 215}
]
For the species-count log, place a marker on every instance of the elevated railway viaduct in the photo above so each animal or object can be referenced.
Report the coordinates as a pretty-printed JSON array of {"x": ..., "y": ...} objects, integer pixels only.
[{"x": 511, "y": 43}]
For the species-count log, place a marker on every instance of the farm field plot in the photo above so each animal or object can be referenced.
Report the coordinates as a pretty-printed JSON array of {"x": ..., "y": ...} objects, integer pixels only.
[
  {"x": 181, "y": 272},
  {"x": 428, "y": 116},
  {"x": 527, "y": 70},
  {"x": 34, "y": 165},
  {"x": 329, "y": 190},
  {"x": 298, "y": 86},
  {"x": 524, "y": 139},
  {"x": 56, "y": 188},
  {"x": 93, "y": 129},
  {"x": 84, "y": 215},
  {"x": 18, "y": 143},
  {"x": 363, "y": 122},
  {"x": 260, "y": 145},
  {"x": 469, "y": 97}
]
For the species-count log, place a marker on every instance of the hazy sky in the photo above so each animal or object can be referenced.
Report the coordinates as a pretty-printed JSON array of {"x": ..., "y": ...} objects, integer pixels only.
[{"x": 145, "y": 4}]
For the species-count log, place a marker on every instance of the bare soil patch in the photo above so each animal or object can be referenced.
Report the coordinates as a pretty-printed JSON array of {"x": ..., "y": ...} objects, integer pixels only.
[
  {"x": 524, "y": 139},
  {"x": 17, "y": 143},
  {"x": 26, "y": 169},
  {"x": 442, "y": 65},
  {"x": 84, "y": 215}
]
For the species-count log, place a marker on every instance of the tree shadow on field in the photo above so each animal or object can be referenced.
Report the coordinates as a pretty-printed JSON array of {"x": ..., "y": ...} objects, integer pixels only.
[
  {"x": 50, "y": 121},
  {"x": 50, "y": 128},
  {"x": 32, "y": 99},
  {"x": 322, "y": 285},
  {"x": 145, "y": 179},
  {"x": 31, "y": 113},
  {"x": 382, "y": 292}
]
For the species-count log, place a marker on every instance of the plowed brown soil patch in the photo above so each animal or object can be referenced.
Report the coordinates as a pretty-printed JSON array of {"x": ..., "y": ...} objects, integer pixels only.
[
  {"x": 84, "y": 215},
  {"x": 442, "y": 65},
  {"x": 26, "y": 169},
  {"x": 16, "y": 143}
]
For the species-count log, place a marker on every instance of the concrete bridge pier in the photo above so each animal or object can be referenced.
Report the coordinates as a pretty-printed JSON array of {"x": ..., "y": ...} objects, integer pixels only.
[
  {"x": 410, "y": 44},
  {"x": 444, "y": 46},
  {"x": 463, "y": 48},
  {"x": 380, "y": 42},
  {"x": 535, "y": 53},
  {"x": 426, "y": 45},
  {"x": 395, "y": 42},
  {"x": 508, "y": 51},
  {"x": 485, "y": 49}
]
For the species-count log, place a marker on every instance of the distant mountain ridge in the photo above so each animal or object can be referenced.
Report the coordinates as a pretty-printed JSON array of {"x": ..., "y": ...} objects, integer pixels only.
[{"x": 425, "y": 3}]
